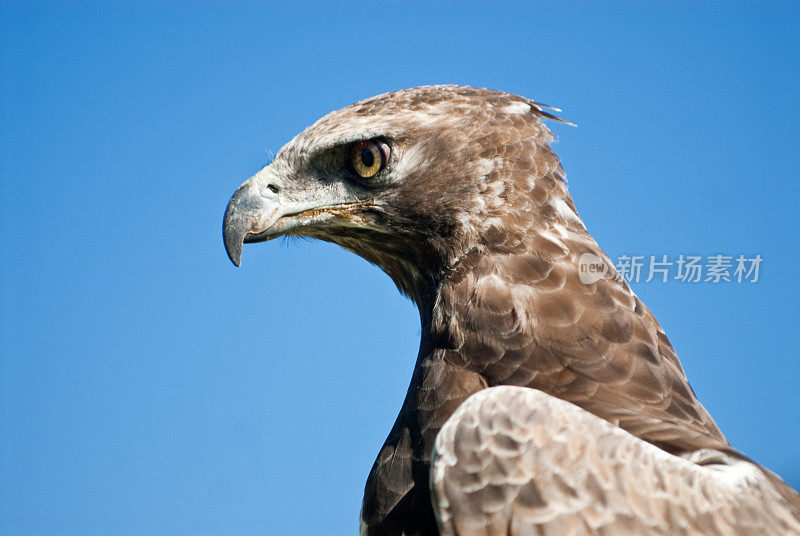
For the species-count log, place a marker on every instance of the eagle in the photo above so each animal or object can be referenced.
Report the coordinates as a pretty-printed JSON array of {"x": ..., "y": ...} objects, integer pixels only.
[{"x": 541, "y": 402}]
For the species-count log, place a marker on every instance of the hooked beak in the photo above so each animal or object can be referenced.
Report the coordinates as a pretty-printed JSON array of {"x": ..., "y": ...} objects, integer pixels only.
[
  {"x": 247, "y": 216},
  {"x": 261, "y": 210}
]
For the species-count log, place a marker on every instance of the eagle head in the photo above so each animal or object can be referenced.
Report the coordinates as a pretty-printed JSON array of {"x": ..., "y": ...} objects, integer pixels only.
[{"x": 412, "y": 181}]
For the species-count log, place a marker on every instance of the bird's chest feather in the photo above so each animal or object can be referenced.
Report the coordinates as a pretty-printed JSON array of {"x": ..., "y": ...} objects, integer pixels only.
[{"x": 397, "y": 498}]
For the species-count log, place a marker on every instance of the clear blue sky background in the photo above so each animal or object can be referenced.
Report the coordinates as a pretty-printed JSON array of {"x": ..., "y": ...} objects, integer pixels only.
[{"x": 149, "y": 387}]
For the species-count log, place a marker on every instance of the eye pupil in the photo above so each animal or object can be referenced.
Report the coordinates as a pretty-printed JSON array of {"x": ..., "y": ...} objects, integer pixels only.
[{"x": 368, "y": 158}]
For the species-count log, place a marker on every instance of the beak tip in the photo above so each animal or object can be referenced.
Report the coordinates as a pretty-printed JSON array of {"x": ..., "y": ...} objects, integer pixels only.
[
  {"x": 233, "y": 238},
  {"x": 234, "y": 250},
  {"x": 234, "y": 228}
]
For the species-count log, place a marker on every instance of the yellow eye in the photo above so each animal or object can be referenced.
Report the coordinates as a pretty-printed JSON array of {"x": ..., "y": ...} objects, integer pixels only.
[{"x": 369, "y": 157}]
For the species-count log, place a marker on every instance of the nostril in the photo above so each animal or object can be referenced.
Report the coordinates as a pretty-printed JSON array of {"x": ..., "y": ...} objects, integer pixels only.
[{"x": 274, "y": 189}]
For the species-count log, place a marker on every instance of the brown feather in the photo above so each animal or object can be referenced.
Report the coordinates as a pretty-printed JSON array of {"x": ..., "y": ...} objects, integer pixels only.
[{"x": 481, "y": 232}]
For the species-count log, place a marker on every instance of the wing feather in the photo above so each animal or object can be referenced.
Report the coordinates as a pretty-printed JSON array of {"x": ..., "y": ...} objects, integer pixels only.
[{"x": 516, "y": 461}]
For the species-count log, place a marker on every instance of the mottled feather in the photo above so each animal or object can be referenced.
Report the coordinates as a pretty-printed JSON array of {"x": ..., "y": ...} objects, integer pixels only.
[
  {"x": 516, "y": 461},
  {"x": 473, "y": 221}
]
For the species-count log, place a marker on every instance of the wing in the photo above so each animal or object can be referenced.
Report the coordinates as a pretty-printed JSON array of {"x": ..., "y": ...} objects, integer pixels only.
[{"x": 516, "y": 461}]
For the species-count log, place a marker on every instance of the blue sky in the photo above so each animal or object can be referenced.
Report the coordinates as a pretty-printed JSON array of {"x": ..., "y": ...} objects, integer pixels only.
[{"x": 149, "y": 387}]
